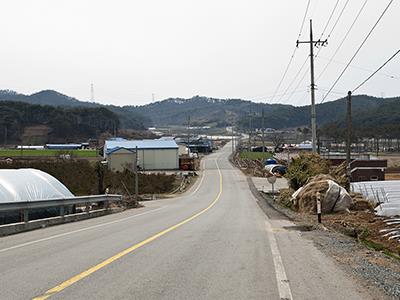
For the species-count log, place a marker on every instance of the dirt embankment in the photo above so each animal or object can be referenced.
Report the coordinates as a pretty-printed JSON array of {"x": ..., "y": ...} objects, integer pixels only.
[{"x": 357, "y": 219}]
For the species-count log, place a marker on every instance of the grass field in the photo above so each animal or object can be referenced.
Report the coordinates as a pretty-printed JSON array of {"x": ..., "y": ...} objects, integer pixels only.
[
  {"x": 255, "y": 155},
  {"x": 46, "y": 152}
]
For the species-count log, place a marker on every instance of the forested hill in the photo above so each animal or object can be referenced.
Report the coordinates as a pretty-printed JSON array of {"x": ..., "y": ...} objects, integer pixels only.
[
  {"x": 216, "y": 112},
  {"x": 128, "y": 119},
  {"x": 368, "y": 112},
  {"x": 39, "y": 124}
]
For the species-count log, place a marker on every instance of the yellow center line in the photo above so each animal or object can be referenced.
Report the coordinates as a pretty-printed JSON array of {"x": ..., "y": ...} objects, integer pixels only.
[{"x": 76, "y": 278}]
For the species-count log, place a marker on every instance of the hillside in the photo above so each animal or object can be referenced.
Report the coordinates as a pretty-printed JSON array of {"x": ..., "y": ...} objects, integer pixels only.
[
  {"x": 369, "y": 113},
  {"x": 39, "y": 124},
  {"x": 127, "y": 119},
  {"x": 216, "y": 112}
]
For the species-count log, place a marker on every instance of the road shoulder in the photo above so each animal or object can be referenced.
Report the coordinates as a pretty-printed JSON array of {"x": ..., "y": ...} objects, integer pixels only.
[{"x": 372, "y": 271}]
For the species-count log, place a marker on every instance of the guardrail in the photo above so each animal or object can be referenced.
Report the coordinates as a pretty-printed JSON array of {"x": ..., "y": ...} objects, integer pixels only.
[{"x": 26, "y": 206}]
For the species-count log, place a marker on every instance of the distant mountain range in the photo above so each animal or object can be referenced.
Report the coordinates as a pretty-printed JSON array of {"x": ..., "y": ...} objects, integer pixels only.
[
  {"x": 367, "y": 111},
  {"x": 128, "y": 119}
]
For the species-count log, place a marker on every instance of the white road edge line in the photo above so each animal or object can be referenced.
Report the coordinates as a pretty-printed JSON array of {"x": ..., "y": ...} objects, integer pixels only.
[
  {"x": 283, "y": 283},
  {"x": 76, "y": 231},
  {"x": 99, "y": 225}
]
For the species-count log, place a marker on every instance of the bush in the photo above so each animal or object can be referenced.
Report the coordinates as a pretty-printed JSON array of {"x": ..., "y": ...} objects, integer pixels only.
[{"x": 304, "y": 167}]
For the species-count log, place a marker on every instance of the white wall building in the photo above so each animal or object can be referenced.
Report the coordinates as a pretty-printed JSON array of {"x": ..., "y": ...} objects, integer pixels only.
[{"x": 162, "y": 154}]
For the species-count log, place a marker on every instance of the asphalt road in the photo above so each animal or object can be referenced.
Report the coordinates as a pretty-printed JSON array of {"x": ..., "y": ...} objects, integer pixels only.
[{"x": 212, "y": 243}]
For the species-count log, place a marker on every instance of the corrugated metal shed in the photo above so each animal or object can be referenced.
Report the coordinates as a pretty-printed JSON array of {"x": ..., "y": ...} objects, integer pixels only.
[
  {"x": 160, "y": 154},
  {"x": 140, "y": 144}
]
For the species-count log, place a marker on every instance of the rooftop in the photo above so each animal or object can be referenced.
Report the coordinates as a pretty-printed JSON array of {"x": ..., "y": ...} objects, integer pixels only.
[{"x": 111, "y": 145}]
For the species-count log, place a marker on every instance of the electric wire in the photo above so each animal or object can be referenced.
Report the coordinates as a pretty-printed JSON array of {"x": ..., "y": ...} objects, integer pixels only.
[
  {"x": 294, "y": 52},
  {"x": 294, "y": 79},
  {"x": 330, "y": 18},
  {"x": 343, "y": 40},
  {"x": 339, "y": 17},
  {"x": 361, "y": 68},
  {"x": 319, "y": 50},
  {"x": 358, "y": 50},
  {"x": 373, "y": 74}
]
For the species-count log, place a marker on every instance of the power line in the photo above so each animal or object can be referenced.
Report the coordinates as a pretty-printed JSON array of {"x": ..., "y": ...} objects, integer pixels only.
[
  {"x": 278, "y": 95},
  {"x": 380, "y": 68},
  {"x": 343, "y": 40},
  {"x": 339, "y": 17},
  {"x": 298, "y": 85},
  {"x": 358, "y": 50},
  {"x": 294, "y": 52},
  {"x": 294, "y": 79},
  {"x": 330, "y": 18},
  {"x": 360, "y": 68},
  {"x": 319, "y": 50},
  {"x": 304, "y": 19}
]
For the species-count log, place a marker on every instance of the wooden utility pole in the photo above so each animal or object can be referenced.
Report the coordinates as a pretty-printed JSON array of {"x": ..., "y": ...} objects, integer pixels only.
[
  {"x": 188, "y": 131},
  {"x": 136, "y": 175},
  {"x": 233, "y": 141},
  {"x": 313, "y": 110},
  {"x": 263, "y": 130},
  {"x": 348, "y": 138},
  {"x": 249, "y": 148}
]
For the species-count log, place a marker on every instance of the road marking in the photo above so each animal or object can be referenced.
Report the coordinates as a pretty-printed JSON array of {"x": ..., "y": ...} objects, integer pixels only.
[
  {"x": 281, "y": 278},
  {"x": 96, "y": 226},
  {"x": 201, "y": 181},
  {"x": 76, "y": 231},
  {"x": 110, "y": 260}
]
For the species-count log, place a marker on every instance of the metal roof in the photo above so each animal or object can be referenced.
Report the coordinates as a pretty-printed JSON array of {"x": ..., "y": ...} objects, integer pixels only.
[{"x": 140, "y": 144}]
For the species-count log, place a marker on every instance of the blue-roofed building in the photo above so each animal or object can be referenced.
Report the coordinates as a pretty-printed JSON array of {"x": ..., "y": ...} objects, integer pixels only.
[{"x": 161, "y": 154}]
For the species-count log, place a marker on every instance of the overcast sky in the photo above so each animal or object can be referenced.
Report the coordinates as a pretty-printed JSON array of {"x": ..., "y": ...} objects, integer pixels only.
[{"x": 181, "y": 48}]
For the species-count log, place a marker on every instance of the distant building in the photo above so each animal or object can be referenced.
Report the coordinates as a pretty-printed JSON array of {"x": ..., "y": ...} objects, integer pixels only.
[
  {"x": 66, "y": 146},
  {"x": 161, "y": 154},
  {"x": 120, "y": 159},
  {"x": 364, "y": 169}
]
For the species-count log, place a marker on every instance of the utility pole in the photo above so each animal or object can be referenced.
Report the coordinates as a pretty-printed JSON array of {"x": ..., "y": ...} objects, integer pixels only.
[
  {"x": 233, "y": 141},
  {"x": 348, "y": 139},
  {"x": 188, "y": 131},
  {"x": 92, "y": 92},
  {"x": 263, "y": 130},
  {"x": 136, "y": 176},
  {"x": 249, "y": 148},
  {"x": 313, "y": 111}
]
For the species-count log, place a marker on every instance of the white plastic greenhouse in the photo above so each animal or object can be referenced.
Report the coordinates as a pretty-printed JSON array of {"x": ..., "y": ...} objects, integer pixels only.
[
  {"x": 26, "y": 185},
  {"x": 385, "y": 194}
]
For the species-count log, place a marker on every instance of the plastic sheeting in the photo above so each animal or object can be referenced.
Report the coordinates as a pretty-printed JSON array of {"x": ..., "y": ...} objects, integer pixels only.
[
  {"x": 385, "y": 194},
  {"x": 24, "y": 185}
]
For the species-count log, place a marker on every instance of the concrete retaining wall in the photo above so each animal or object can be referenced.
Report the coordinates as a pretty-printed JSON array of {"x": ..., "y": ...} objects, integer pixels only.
[{"x": 14, "y": 228}]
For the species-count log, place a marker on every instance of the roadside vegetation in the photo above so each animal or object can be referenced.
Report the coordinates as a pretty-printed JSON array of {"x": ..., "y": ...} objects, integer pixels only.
[
  {"x": 359, "y": 221},
  {"x": 82, "y": 177},
  {"x": 12, "y": 153}
]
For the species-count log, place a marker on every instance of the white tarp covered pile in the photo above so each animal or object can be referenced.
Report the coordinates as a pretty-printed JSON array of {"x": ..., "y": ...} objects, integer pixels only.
[
  {"x": 23, "y": 185},
  {"x": 334, "y": 198},
  {"x": 385, "y": 194}
]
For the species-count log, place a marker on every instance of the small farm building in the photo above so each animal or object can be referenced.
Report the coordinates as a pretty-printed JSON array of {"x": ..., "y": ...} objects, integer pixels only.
[{"x": 161, "y": 154}]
